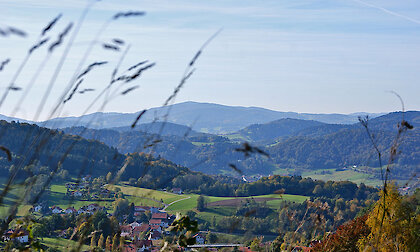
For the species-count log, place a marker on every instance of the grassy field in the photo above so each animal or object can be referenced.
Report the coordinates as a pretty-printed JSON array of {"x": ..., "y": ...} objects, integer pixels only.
[
  {"x": 236, "y": 137},
  {"x": 202, "y": 143},
  {"x": 350, "y": 175},
  {"x": 331, "y": 174},
  {"x": 56, "y": 197},
  {"x": 62, "y": 244},
  {"x": 14, "y": 195},
  {"x": 146, "y": 196},
  {"x": 190, "y": 203}
]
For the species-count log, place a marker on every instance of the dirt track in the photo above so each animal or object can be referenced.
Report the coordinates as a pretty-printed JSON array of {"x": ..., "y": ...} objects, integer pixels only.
[{"x": 237, "y": 201}]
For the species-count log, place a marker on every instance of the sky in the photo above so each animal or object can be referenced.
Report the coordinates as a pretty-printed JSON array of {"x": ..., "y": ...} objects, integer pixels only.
[{"x": 313, "y": 56}]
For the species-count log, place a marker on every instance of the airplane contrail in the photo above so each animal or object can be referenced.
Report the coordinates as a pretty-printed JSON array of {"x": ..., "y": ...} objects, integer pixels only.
[{"x": 389, "y": 11}]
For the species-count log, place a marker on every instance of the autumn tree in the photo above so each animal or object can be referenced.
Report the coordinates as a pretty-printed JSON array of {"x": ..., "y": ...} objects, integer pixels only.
[
  {"x": 394, "y": 225},
  {"x": 346, "y": 237}
]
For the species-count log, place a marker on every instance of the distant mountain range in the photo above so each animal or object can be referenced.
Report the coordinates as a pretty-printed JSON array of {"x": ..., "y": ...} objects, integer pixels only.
[
  {"x": 201, "y": 117},
  {"x": 291, "y": 144}
]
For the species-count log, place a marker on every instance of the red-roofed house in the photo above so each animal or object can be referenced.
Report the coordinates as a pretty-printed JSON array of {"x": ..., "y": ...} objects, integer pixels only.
[
  {"x": 125, "y": 230},
  {"x": 129, "y": 248},
  {"x": 156, "y": 228},
  {"x": 143, "y": 245},
  {"x": 160, "y": 216},
  {"x": 140, "y": 229},
  {"x": 155, "y": 236}
]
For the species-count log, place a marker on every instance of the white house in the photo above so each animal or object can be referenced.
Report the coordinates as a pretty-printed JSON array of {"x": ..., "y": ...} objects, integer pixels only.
[
  {"x": 177, "y": 190},
  {"x": 77, "y": 194},
  {"x": 199, "y": 238},
  {"x": 22, "y": 238},
  {"x": 134, "y": 224},
  {"x": 82, "y": 210},
  {"x": 70, "y": 210},
  {"x": 93, "y": 207},
  {"x": 37, "y": 208},
  {"x": 56, "y": 210}
]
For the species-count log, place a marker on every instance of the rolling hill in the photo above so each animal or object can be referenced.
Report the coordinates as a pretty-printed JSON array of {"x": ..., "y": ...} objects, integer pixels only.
[{"x": 299, "y": 146}]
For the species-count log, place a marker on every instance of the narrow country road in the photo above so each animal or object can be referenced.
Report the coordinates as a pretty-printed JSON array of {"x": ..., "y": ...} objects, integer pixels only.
[{"x": 173, "y": 202}]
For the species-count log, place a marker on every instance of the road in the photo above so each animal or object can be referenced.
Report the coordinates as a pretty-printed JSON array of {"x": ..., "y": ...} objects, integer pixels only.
[{"x": 176, "y": 201}]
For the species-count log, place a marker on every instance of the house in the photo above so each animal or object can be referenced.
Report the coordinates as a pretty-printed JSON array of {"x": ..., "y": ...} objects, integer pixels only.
[
  {"x": 22, "y": 236},
  {"x": 82, "y": 210},
  {"x": 134, "y": 224},
  {"x": 155, "y": 222},
  {"x": 140, "y": 229},
  {"x": 19, "y": 235},
  {"x": 70, "y": 210},
  {"x": 199, "y": 238},
  {"x": 125, "y": 230},
  {"x": 159, "y": 222},
  {"x": 143, "y": 245},
  {"x": 93, "y": 207},
  {"x": 37, "y": 208},
  {"x": 155, "y": 235},
  {"x": 177, "y": 190},
  {"x": 156, "y": 228},
  {"x": 56, "y": 210},
  {"x": 77, "y": 194},
  {"x": 163, "y": 216},
  {"x": 129, "y": 248}
]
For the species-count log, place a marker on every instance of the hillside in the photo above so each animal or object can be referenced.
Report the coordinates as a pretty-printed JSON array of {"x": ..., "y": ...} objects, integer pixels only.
[
  {"x": 271, "y": 131},
  {"x": 315, "y": 146},
  {"x": 40, "y": 151}
]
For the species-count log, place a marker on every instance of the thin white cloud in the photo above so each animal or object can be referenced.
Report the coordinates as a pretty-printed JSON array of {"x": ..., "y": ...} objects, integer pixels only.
[{"x": 393, "y": 13}]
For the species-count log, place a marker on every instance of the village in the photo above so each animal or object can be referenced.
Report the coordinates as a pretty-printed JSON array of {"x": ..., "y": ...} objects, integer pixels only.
[
  {"x": 142, "y": 227},
  {"x": 142, "y": 235}
]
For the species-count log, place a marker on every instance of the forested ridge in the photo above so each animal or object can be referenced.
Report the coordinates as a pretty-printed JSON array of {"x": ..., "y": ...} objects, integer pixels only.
[
  {"x": 316, "y": 146},
  {"x": 144, "y": 170}
]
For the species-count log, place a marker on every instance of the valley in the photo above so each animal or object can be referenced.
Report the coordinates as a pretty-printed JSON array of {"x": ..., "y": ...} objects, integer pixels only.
[{"x": 234, "y": 186}]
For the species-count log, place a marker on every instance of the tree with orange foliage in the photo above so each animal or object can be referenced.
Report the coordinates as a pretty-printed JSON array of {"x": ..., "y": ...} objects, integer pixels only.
[{"x": 346, "y": 236}]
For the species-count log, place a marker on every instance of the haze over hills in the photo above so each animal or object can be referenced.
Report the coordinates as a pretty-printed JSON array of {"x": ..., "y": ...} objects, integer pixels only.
[
  {"x": 202, "y": 117},
  {"x": 300, "y": 145}
]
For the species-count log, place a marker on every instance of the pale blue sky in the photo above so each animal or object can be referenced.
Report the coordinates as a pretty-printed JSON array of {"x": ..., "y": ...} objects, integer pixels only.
[{"x": 339, "y": 56}]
